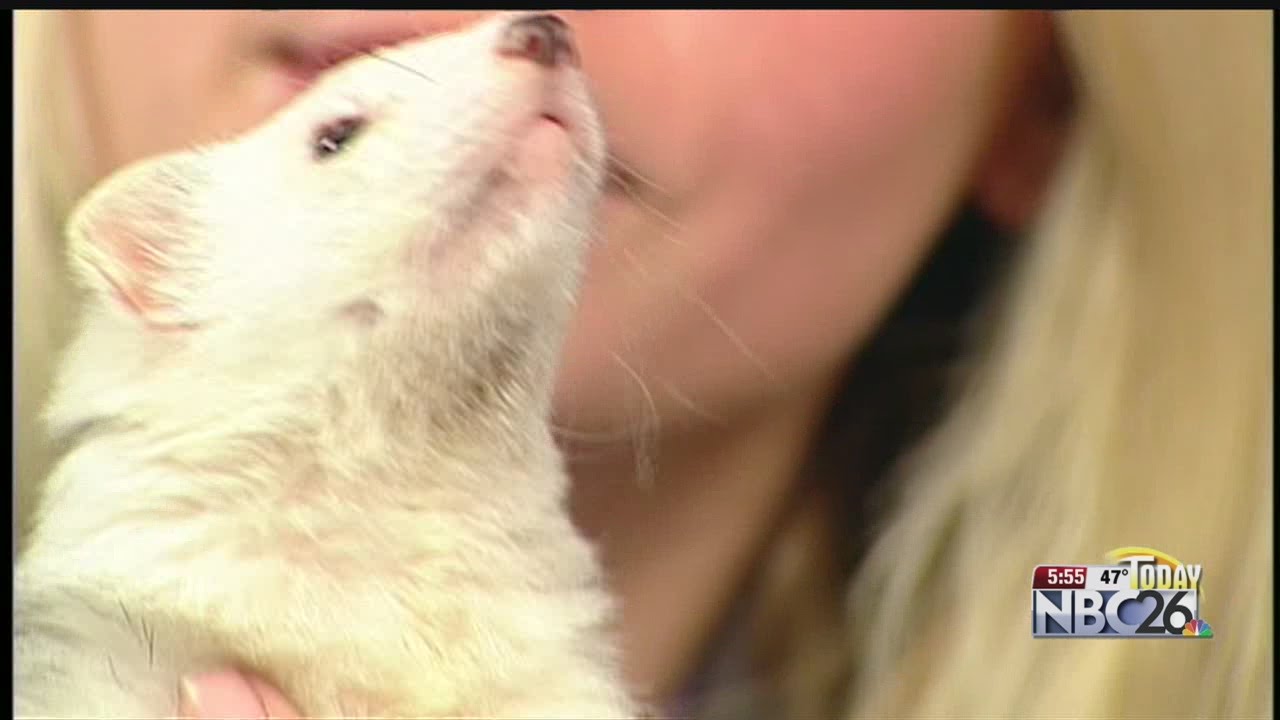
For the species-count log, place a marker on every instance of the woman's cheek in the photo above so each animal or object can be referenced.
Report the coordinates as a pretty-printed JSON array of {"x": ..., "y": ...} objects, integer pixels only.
[
  {"x": 864, "y": 137},
  {"x": 162, "y": 80},
  {"x": 640, "y": 66},
  {"x": 856, "y": 91},
  {"x": 824, "y": 152}
]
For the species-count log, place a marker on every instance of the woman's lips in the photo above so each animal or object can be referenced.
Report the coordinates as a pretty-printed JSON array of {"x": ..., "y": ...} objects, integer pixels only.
[
  {"x": 306, "y": 43},
  {"x": 301, "y": 56},
  {"x": 303, "y": 60}
]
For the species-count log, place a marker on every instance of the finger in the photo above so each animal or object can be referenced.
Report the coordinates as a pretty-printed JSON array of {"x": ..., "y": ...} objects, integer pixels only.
[
  {"x": 231, "y": 695},
  {"x": 273, "y": 701}
]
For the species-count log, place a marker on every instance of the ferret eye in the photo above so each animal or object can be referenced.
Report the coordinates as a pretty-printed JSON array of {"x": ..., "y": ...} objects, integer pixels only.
[{"x": 332, "y": 137}]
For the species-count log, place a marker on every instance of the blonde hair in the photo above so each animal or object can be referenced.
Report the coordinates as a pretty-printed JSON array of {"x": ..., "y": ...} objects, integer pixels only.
[
  {"x": 50, "y": 129},
  {"x": 1124, "y": 400}
]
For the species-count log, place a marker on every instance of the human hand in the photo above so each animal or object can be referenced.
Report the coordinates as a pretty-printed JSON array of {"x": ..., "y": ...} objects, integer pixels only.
[{"x": 232, "y": 695}]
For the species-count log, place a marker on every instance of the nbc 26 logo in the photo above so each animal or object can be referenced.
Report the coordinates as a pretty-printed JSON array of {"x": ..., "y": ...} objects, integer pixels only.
[{"x": 1143, "y": 593}]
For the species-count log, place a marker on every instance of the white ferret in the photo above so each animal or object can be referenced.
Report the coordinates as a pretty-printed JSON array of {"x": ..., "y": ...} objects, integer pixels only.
[{"x": 308, "y": 407}]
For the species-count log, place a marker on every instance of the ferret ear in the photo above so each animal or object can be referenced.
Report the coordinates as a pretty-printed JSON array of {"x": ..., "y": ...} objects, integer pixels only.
[{"x": 137, "y": 240}]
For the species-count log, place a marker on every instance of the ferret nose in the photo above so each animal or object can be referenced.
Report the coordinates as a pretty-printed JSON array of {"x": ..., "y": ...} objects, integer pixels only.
[{"x": 542, "y": 38}]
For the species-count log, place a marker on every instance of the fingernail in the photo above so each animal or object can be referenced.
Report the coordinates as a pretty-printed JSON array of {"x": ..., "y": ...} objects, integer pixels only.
[
  {"x": 224, "y": 693},
  {"x": 188, "y": 699}
]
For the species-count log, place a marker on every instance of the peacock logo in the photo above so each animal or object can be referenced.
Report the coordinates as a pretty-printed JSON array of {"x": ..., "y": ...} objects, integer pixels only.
[{"x": 1197, "y": 628}]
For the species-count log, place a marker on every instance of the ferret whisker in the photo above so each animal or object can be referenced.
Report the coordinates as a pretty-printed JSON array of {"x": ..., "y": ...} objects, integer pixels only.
[
  {"x": 632, "y": 173},
  {"x": 691, "y": 405},
  {"x": 149, "y": 633},
  {"x": 403, "y": 66},
  {"x": 697, "y": 301},
  {"x": 690, "y": 295},
  {"x": 645, "y": 438},
  {"x": 624, "y": 181},
  {"x": 115, "y": 675},
  {"x": 729, "y": 333},
  {"x": 640, "y": 432},
  {"x": 602, "y": 438},
  {"x": 125, "y": 612},
  {"x": 373, "y": 53}
]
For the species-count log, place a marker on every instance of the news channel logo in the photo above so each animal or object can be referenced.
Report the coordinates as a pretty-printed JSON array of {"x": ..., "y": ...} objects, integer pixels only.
[{"x": 1142, "y": 593}]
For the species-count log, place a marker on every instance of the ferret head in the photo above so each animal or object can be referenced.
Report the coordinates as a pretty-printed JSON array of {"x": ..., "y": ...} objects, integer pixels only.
[{"x": 420, "y": 212}]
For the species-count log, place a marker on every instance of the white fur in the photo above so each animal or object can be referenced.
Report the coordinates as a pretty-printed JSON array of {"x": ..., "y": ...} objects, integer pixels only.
[{"x": 366, "y": 508}]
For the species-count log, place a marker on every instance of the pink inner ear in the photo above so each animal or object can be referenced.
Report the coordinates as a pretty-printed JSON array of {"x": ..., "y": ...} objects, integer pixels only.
[
  {"x": 132, "y": 287},
  {"x": 139, "y": 266}
]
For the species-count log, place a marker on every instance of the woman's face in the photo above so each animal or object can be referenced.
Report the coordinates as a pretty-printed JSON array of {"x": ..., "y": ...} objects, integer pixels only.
[{"x": 795, "y": 164}]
